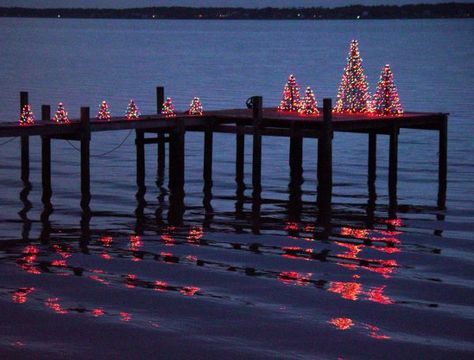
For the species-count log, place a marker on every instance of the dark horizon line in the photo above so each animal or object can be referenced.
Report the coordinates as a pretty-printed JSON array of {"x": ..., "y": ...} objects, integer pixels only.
[{"x": 409, "y": 11}]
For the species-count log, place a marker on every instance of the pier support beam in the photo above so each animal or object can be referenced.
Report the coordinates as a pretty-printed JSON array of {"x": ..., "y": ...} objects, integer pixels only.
[
  {"x": 160, "y": 99},
  {"x": 176, "y": 158},
  {"x": 325, "y": 163},
  {"x": 46, "y": 159},
  {"x": 25, "y": 145},
  {"x": 140, "y": 145},
  {"x": 208, "y": 145},
  {"x": 240, "y": 155},
  {"x": 257, "y": 105},
  {"x": 85, "y": 158},
  {"x": 443, "y": 163},
  {"x": 296, "y": 156},
  {"x": 393, "y": 166}
]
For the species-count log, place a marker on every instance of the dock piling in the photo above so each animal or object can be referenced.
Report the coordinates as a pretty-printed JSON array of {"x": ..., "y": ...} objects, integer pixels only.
[
  {"x": 85, "y": 158},
  {"x": 325, "y": 162},
  {"x": 46, "y": 158},
  {"x": 239, "y": 154},
  {"x": 140, "y": 145},
  {"x": 160, "y": 99},
  {"x": 372, "y": 162},
  {"x": 25, "y": 144},
  {"x": 296, "y": 156},
  {"x": 208, "y": 145},
  {"x": 176, "y": 157},
  {"x": 393, "y": 165},
  {"x": 443, "y": 163},
  {"x": 257, "y": 112}
]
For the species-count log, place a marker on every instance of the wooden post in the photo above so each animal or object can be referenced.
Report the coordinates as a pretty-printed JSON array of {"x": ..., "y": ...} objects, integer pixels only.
[
  {"x": 46, "y": 158},
  {"x": 372, "y": 164},
  {"x": 176, "y": 158},
  {"x": 325, "y": 162},
  {"x": 85, "y": 158},
  {"x": 257, "y": 103},
  {"x": 160, "y": 99},
  {"x": 296, "y": 156},
  {"x": 240, "y": 155},
  {"x": 393, "y": 166},
  {"x": 140, "y": 145},
  {"x": 25, "y": 144},
  {"x": 208, "y": 143},
  {"x": 443, "y": 163}
]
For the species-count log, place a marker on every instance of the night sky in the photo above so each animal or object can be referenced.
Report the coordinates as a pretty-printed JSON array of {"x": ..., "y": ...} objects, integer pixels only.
[{"x": 197, "y": 3}]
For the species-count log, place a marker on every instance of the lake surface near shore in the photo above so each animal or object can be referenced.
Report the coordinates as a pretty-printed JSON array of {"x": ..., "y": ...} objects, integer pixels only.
[{"x": 236, "y": 278}]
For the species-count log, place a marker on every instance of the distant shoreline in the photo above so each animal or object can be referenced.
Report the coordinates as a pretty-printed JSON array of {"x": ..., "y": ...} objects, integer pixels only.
[{"x": 418, "y": 11}]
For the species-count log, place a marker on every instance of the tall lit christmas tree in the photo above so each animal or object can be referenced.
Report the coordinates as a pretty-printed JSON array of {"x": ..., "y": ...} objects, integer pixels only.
[
  {"x": 386, "y": 100},
  {"x": 291, "y": 96},
  {"x": 168, "y": 109},
  {"x": 196, "y": 107},
  {"x": 104, "y": 113},
  {"x": 132, "y": 111},
  {"x": 61, "y": 115},
  {"x": 353, "y": 93},
  {"x": 308, "y": 105},
  {"x": 26, "y": 117}
]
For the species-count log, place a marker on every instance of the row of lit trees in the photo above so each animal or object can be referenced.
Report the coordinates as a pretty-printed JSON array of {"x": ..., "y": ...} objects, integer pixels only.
[
  {"x": 61, "y": 116},
  {"x": 353, "y": 94}
]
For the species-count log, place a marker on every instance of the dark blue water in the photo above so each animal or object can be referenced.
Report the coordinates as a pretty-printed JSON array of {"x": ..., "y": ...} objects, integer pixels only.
[{"x": 236, "y": 278}]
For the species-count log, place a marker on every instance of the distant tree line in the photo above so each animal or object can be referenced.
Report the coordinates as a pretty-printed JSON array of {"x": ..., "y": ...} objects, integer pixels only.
[{"x": 419, "y": 11}]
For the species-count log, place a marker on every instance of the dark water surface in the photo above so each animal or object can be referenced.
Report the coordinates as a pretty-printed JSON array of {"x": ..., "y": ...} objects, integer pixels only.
[{"x": 236, "y": 278}]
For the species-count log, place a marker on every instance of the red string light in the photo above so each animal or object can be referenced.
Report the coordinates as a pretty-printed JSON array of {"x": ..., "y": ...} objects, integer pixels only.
[
  {"x": 386, "y": 100},
  {"x": 291, "y": 96}
]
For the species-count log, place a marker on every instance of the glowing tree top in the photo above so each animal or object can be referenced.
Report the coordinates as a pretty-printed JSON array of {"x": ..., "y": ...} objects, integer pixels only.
[
  {"x": 104, "y": 113},
  {"x": 27, "y": 117},
  {"x": 196, "y": 107},
  {"x": 291, "y": 96},
  {"x": 61, "y": 115},
  {"x": 168, "y": 109},
  {"x": 386, "y": 100},
  {"x": 308, "y": 105},
  {"x": 132, "y": 111},
  {"x": 353, "y": 93}
]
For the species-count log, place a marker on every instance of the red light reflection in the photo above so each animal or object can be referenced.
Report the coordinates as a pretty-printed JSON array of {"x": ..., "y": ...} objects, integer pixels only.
[
  {"x": 53, "y": 304},
  {"x": 347, "y": 290},
  {"x": 125, "y": 316},
  {"x": 135, "y": 243},
  {"x": 20, "y": 296},
  {"x": 295, "y": 278},
  {"x": 342, "y": 323},
  {"x": 195, "y": 234},
  {"x": 106, "y": 241},
  {"x": 189, "y": 290},
  {"x": 97, "y": 312}
]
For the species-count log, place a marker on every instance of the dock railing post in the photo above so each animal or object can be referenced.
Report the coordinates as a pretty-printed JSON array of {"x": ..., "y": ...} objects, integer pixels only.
[
  {"x": 46, "y": 158},
  {"x": 325, "y": 162},
  {"x": 443, "y": 163},
  {"x": 257, "y": 114},
  {"x": 160, "y": 99},
  {"x": 25, "y": 145},
  {"x": 85, "y": 158}
]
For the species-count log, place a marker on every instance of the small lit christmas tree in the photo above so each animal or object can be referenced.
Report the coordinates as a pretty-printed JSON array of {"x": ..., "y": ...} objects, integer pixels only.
[
  {"x": 132, "y": 111},
  {"x": 353, "y": 93},
  {"x": 196, "y": 107},
  {"x": 26, "y": 117},
  {"x": 291, "y": 96},
  {"x": 309, "y": 105},
  {"x": 386, "y": 100},
  {"x": 61, "y": 115},
  {"x": 168, "y": 108},
  {"x": 104, "y": 113}
]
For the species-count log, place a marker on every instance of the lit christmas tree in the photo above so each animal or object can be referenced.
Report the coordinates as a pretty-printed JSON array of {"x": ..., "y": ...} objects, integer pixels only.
[
  {"x": 386, "y": 100},
  {"x": 291, "y": 96},
  {"x": 132, "y": 111},
  {"x": 168, "y": 109},
  {"x": 104, "y": 113},
  {"x": 61, "y": 114},
  {"x": 308, "y": 105},
  {"x": 27, "y": 117},
  {"x": 353, "y": 93},
  {"x": 196, "y": 107}
]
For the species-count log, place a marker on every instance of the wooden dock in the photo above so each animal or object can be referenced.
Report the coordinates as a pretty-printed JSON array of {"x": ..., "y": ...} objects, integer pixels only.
[{"x": 256, "y": 122}]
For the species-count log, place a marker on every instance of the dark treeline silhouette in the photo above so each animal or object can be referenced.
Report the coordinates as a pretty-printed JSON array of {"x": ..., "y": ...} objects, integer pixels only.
[{"x": 429, "y": 11}]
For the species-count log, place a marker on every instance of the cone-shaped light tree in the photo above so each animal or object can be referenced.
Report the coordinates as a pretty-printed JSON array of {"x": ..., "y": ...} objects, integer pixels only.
[
  {"x": 291, "y": 96},
  {"x": 104, "y": 113},
  {"x": 353, "y": 94},
  {"x": 386, "y": 100},
  {"x": 61, "y": 115},
  {"x": 132, "y": 111},
  {"x": 196, "y": 107},
  {"x": 168, "y": 109},
  {"x": 26, "y": 117},
  {"x": 308, "y": 105}
]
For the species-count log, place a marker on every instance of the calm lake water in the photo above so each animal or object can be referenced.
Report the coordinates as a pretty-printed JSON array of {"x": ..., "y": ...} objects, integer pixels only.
[{"x": 236, "y": 279}]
